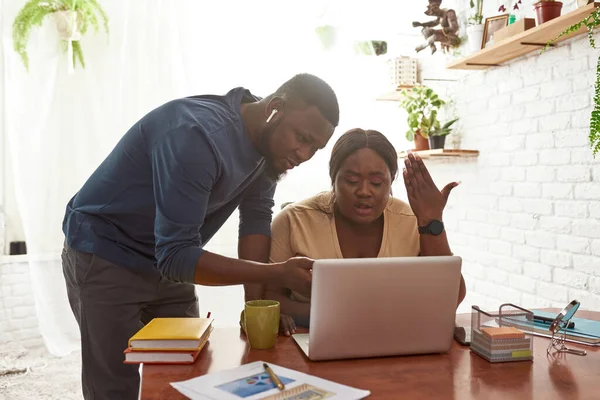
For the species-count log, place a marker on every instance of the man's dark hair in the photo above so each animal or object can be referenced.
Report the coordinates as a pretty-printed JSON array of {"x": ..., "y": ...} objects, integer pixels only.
[
  {"x": 312, "y": 91},
  {"x": 356, "y": 139}
]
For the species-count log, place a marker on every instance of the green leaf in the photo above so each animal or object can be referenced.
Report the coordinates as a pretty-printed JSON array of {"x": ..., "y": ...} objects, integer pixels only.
[{"x": 449, "y": 123}]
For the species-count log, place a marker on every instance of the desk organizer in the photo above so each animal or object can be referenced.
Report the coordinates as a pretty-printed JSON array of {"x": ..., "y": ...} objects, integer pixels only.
[{"x": 494, "y": 337}]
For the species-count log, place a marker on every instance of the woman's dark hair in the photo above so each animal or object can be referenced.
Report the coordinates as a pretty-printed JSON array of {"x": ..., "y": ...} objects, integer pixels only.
[{"x": 356, "y": 139}]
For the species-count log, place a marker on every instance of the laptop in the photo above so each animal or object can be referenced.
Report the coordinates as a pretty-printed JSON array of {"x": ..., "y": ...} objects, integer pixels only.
[{"x": 372, "y": 307}]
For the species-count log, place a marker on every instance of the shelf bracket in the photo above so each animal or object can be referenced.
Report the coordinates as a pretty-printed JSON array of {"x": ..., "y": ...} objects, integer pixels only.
[
  {"x": 536, "y": 44},
  {"x": 484, "y": 65}
]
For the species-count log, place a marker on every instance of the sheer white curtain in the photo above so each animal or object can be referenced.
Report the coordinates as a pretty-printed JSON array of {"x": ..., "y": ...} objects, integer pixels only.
[{"x": 59, "y": 126}]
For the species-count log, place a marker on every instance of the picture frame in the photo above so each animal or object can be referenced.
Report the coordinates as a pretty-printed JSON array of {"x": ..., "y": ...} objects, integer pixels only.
[{"x": 493, "y": 24}]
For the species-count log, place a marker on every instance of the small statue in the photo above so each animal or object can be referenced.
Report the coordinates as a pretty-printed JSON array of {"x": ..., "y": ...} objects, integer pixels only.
[{"x": 447, "y": 36}]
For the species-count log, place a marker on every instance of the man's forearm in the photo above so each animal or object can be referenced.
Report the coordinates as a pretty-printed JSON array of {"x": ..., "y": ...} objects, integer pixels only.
[
  {"x": 254, "y": 248},
  {"x": 216, "y": 270}
]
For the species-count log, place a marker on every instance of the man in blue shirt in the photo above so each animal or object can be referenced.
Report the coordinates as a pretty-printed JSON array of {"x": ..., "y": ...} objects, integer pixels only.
[{"x": 135, "y": 231}]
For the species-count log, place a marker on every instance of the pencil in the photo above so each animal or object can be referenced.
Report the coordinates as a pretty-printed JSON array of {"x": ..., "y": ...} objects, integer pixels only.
[{"x": 274, "y": 377}]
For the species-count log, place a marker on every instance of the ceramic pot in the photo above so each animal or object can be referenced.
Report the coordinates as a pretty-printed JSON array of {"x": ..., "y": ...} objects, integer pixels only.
[
  {"x": 67, "y": 25},
  {"x": 475, "y": 35},
  {"x": 547, "y": 10},
  {"x": 420, "y": 142},
  {"x": 437, "y": 142}
]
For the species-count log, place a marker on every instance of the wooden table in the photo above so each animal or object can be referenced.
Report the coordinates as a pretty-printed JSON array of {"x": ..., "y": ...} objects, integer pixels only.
[{"x": 458, "y": 375}]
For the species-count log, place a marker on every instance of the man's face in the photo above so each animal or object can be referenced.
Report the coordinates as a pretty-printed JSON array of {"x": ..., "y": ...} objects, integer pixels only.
[{"x": 293, "y": 137}]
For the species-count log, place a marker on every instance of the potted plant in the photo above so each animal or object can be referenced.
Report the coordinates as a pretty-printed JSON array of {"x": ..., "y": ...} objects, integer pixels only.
[
  {"x": 591, "y": 22},
  {"x": 72, "y": 18},
  {"x": 546, "y": 10},
  {"x": 437, "y": 135},
  {"x": 475, "y": 25},
  {"x": 422, "y": 105}
]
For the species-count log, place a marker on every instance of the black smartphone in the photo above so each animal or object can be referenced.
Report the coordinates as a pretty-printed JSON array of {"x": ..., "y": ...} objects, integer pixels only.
[{"x": 462, "y": 334}]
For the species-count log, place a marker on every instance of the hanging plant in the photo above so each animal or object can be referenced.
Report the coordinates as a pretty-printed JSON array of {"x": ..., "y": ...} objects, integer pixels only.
[
  {"x": 72, "y": 17},
  {"x": 590, "y": 22},
  {"x": 327, "y": 35}
]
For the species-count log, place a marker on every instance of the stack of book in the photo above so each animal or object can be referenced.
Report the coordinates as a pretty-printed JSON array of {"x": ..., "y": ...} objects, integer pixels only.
[
  {"x": 169, "y": 341},
  {"x": 502, "y": 344}
]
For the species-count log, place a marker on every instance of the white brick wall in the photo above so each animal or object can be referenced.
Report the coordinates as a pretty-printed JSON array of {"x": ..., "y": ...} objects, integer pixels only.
[
  {"x": 526, "y": 218},
  {"x": 18, "y": 321}
]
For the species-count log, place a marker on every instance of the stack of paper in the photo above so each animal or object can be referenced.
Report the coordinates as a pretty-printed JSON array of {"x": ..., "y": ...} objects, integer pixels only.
[
  {"x": 252, "y": 382},
  {"x": 169, "y": 341},
  {"x": 501, "y": 344}
]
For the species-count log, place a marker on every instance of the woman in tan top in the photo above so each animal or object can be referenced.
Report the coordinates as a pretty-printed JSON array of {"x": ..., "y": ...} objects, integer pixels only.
[{"x": 359, "y": 218}]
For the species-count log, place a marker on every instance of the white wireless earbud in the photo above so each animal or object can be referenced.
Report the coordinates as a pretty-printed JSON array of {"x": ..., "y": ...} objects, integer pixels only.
[{"x": 271, "y": 116}]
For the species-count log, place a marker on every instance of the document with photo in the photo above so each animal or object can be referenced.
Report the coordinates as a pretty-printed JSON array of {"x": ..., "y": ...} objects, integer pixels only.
[{"x": 252, "y": 382}]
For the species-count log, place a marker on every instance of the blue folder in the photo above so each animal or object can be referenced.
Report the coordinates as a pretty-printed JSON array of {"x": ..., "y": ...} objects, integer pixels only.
[
  {"x": 584, "y": 328},
  {"x": 585, "y": 332}
]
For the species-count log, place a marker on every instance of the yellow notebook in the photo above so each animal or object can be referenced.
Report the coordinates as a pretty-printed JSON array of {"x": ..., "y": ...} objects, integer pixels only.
[{"x": 172, "y": 334}]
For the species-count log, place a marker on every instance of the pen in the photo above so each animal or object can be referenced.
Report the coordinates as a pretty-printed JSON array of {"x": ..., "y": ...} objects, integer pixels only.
[
  {"x": 274, "y": 377},
  {"x": 546, "y": 320}
]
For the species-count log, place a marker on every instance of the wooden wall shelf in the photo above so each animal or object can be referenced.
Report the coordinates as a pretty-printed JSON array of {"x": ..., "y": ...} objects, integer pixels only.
[
  {"x": 396, "y": 95},
  {"x": 390, "y": 96},
  {"x": 439, "y": 153},
  {"x": 525, "y": 42}
]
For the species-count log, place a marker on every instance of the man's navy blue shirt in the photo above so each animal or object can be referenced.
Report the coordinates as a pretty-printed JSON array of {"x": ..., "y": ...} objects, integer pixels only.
[{"x": 169, "y": 185}]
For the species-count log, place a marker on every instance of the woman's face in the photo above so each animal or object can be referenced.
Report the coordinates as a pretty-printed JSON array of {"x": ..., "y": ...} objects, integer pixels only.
[{"x": 362, "y": 186}]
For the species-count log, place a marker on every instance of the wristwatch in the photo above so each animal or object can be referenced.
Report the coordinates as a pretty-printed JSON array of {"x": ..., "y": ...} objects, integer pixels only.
[{"x": 435, "y": 228}]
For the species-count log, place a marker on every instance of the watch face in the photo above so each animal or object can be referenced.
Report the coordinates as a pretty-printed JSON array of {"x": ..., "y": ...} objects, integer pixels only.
[{"x": 436, "y": 227}]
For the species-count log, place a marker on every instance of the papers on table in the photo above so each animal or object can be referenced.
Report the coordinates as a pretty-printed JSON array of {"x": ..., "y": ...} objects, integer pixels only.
[{"x": 251, "y": 382}]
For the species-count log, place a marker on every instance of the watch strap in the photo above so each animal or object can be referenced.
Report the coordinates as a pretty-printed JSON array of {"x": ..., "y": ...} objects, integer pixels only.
[{"x": 428, "y": 229}]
